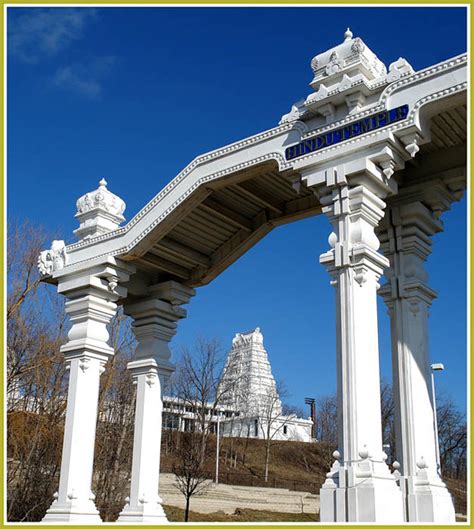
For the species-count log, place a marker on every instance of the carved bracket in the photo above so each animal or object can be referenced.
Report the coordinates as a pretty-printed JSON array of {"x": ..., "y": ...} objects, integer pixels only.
[{"x": 54, "y": 259}]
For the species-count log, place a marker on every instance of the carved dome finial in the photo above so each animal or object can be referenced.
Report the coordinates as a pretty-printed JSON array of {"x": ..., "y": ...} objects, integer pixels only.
[
  {"x": 348, "y": 35},
  {"x": 99, "y": 211}
]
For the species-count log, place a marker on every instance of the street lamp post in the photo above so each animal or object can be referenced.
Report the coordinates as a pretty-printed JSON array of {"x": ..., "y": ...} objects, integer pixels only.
[
  {"x": 312, "y": 404},
  {"x": 436, "y": 367},
  {"x": 217, "y": 445}
]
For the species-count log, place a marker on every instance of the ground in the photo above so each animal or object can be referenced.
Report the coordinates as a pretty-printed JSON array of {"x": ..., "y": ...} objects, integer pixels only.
[{"x": 176, "y": 514}]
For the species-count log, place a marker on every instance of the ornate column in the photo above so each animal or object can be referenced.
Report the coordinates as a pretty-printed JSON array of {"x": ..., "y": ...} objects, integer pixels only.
[
  {"x": 359, "y": 487},
  {"x": 405, "y": 235},
  {"x": 91, "y": 304},
  {"x": 155, "y": 323}
]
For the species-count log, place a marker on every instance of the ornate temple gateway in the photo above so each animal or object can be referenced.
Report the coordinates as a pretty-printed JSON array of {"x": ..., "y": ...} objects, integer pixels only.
[{"x": 383, "y": 155}]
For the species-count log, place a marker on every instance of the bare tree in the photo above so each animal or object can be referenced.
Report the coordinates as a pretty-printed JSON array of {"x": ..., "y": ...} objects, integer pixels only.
[
  {"x": 35, "y": 379},
  {"x": 326, "y": 423},
  {"x": 388, "y": 425},
  {"x": 28, "y": 306},
  {"x": 271, "y": 418},
  {"x": 196, "y": 384},
  {"x": 114, "y": 437},
  {"x": 188, "y": 468},
  {"x": 326, "y": 411},
  {"x": 25, "y": 242},
  {"x": 452, "y": 436}
]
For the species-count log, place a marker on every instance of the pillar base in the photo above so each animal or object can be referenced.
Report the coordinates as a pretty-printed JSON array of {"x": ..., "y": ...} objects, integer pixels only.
[
  {"x": 60, "y": 513},
  {"x": 143, "y": 515},
  {"x": 428, "y": 500},
  {"x": 361, "y": 494}
]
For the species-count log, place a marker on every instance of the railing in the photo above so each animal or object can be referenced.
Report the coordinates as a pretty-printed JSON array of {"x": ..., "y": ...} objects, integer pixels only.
[{"x": 251, "y": 480}]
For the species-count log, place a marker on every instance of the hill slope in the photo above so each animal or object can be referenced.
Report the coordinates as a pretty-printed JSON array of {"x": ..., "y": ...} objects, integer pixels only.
[{"x": 293, "y": 465}]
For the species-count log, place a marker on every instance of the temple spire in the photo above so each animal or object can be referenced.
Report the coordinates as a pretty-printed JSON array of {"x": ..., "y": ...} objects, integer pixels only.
[{"x": 248, "y": 373}]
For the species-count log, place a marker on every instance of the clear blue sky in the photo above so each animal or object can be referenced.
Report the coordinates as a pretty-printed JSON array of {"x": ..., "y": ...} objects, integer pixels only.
[{"x": 134, "y": 94}]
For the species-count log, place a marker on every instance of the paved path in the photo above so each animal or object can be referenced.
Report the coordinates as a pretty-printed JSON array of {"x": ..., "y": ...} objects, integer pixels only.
[{"x": 227, "y": 498}]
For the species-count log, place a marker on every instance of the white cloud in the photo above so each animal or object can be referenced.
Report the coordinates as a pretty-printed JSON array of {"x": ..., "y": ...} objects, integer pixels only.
[
  {"x": 36, "y": 32},
  {"x": 85, "y": 80}
]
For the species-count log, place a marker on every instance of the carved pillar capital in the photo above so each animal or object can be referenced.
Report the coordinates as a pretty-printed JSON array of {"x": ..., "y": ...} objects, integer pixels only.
[
  {"x": 354, "y": 213},
  {"x": 155, "y": 322},
  {"x": 405, "y": 236},
  {"x": 92, "y": 296}
]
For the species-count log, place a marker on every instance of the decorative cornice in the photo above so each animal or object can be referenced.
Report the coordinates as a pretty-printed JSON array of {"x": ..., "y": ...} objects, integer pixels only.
[
  {"x": 422, "y": 74},
  {"x": 437, "y": 95},
  {"x": 276, "y": 156},
  {"x": 392, "y": 128},
  {"x": 283, "y": 164}
]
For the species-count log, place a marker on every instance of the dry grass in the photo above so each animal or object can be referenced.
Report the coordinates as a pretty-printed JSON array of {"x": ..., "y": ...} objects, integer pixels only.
[
  {"x": 175, "y": 514},
  {"x": 293, "y": 465}
]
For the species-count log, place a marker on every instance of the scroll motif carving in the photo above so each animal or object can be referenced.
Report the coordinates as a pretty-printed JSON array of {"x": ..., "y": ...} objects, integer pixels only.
[{"x": 54, "y": 259}]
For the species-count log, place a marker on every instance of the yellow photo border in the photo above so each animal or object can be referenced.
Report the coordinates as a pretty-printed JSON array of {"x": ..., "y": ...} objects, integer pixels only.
[{"x": 217, "y": 3}]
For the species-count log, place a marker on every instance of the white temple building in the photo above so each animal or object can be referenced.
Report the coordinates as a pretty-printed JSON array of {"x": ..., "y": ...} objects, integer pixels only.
[
  {"x": 248, "y": 386},
  {"x": 247, "y": 401}
]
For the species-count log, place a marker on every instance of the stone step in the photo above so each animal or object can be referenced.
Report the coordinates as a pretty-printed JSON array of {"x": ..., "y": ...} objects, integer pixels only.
[{"x": 227, "y": 498}]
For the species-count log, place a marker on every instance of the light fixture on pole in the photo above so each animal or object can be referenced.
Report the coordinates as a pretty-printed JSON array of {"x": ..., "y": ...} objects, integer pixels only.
[
  {"x": 436, "y": 367},
  {"x": 217, "y": 444},
  {"x": 312, "y": 404}
]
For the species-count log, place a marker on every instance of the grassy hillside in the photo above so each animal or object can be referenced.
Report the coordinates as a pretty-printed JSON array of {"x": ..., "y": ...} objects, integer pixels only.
[{"x": 293, "y": 465}]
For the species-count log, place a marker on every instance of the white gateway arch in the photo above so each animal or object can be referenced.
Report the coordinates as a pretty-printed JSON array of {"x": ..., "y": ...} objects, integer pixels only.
[{"x": 381, "y": 153}]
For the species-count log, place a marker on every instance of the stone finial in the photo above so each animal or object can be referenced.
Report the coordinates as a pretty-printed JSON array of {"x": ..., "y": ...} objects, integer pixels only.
[
  {"x": 98, "y": 211},
  {"x": 348, "y": 35},
  {"x": 421, "y": 463},
  {"x": 399, "y": 68},
  {"x": 297, "y": 110},
  {"x": 351, "y": 59}
]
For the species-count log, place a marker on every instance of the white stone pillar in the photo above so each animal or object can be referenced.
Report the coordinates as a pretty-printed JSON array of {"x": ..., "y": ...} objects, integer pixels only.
[
  {"x": 155, "y": 323},
  {"x": 359, "y": 487},
  {"x": 90, "y": 305},
  {"x": 406, "y": 240}
]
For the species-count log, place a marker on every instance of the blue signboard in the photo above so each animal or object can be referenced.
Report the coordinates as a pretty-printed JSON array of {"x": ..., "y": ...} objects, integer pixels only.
[{"x": 377, "y": 121}]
